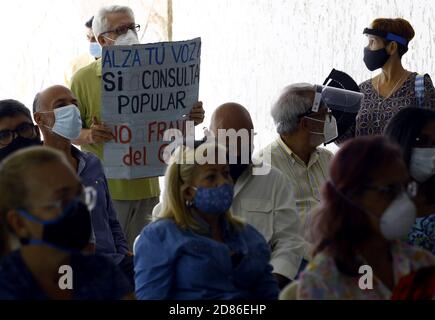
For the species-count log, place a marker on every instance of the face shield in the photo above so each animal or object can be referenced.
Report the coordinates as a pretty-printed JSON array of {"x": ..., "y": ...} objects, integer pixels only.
[
  {"x": 337, "y": 99},
  {"x": 342, "y": 96}
]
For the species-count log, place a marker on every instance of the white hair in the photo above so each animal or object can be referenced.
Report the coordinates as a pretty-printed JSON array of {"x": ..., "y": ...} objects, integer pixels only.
[
  {"x": 100, "y": 23},
  {"x": 293, "y": 102}
]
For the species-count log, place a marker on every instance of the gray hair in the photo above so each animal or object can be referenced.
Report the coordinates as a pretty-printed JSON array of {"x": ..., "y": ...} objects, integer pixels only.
[
  {"x": 294, "y": 100},
  {"x": 100, "y": 23}
]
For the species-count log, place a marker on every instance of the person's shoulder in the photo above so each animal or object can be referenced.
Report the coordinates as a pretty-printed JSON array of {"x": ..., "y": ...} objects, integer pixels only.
[
  {"x": 322, "y": 265},
  {"x": 91, "y": 159},
  {"x": 365, "y": 85},
  {"x": 162, "y": 228},
  {"x": 13, "y": 277},
  {"x": 98, "y": 277},
  {"x": 418, "y": 256},
  {"x": 84, "y": 72},
  {"x": 11, "y": 264},
  {"x": 323, "y": 152}
]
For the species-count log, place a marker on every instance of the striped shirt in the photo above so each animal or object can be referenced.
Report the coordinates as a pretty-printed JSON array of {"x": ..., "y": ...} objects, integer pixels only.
[{"x": 306, "y": 180}]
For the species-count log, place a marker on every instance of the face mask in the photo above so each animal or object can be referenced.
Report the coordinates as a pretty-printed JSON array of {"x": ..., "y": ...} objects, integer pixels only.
[
  {"x": 214, "y": 201},
  {"x": 70, "y": 232},
  {"x": 398, "y": 219},
  {"x": 375, "y": 59},
  {"x": 17, "y": 144},
  {"x": 127, "y": 39},
  {"x": 95, "y": 49},
  {"x": 68, "y": 123},
  {"x": 330, "y": 131},
  {"x": 422, "y": 165}
]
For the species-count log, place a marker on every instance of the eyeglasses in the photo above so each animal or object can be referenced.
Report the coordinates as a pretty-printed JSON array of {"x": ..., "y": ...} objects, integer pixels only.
[
  {"x": 25, "y": 130},
  {"x": 392, "y": 191},
  {"x": 124, "y": 29},
  {"x": 424, "y": 141}
]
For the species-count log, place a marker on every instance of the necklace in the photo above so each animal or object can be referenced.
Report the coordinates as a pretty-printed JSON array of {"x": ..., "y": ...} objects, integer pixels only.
[{"x": 391, "y": 92}]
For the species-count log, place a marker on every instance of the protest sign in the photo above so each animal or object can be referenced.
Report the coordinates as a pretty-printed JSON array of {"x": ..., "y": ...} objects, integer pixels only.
[{"x": 146, "y": 90}]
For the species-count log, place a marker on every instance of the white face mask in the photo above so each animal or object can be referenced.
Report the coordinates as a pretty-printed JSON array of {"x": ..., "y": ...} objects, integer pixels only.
[
  {"x": 68, "y": 122},
  {"x": 398, "y": 219},
  {"x": 330, "y": 131},
  {"x": 127, "y": 39},
  {"x": 422, "y": 165}
]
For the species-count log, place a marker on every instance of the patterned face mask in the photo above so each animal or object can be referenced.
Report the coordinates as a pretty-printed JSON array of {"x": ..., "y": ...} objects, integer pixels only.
[{"x": 214, "y": 201}]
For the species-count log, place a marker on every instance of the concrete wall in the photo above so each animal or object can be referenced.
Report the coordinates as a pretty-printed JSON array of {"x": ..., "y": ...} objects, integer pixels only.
[{"x": 253, "y": 48}]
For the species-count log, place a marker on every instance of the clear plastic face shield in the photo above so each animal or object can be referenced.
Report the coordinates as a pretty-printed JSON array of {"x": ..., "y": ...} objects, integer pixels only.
[{"x": 338, "y": 100}]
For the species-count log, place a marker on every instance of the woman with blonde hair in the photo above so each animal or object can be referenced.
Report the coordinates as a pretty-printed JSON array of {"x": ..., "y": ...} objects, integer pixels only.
[{"x": 196, "y": 249}]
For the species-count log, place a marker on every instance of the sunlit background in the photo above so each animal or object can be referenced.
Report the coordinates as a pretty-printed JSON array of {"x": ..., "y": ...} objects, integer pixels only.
[{"x": 251, "y": 48}]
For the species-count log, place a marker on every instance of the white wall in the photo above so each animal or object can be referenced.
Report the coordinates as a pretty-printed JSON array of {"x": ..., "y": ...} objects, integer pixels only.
[
  {"x": 253, "y": 48},
  {"x": 40, "y": 38}
]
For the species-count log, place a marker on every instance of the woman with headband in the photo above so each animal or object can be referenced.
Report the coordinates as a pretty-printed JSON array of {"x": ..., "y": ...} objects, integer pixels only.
[{"x": 395, "y": 87}]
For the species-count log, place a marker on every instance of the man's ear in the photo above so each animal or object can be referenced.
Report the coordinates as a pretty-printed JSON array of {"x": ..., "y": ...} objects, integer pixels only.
[
  {"x": 38, "y": 118},
  {"x": 102, "y": 41},
  {"x": 303, "y": 123}
]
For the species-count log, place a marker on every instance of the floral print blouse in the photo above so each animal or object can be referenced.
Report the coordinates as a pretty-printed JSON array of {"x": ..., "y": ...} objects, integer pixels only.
[
  {"x": 322, "y": 280},
  {"x": 376, "y": 111}
]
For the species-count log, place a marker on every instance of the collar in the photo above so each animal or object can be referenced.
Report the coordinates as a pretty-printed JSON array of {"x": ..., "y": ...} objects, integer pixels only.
[
  {"x": 81, "y": 157},
  {"x": 98, "y": 67},
  {"x": 225, "y": 226},
  {"x": 294, "y": 157}
]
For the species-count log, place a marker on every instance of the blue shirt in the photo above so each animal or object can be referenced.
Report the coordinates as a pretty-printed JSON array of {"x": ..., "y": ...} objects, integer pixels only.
[
  {"x": 176, "y": 264},
  {"x": 94, "y": 277},
  {"x": 109, "y": 237}
]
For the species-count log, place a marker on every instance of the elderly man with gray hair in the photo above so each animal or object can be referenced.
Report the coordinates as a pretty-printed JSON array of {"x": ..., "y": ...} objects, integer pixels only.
[
  {"x": 296, "y": 152},
  {"x": 133, "y": 199}
]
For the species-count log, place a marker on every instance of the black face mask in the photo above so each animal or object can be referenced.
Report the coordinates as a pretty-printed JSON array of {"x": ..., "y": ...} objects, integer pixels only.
[
  {"x": 17, "y": 144},
  {"x": 70, "y": 232},
  {"x": 375, "y": 59}
]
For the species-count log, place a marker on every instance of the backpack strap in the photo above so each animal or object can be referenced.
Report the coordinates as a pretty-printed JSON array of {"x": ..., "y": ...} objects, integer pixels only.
[{"x": 419, "y": 89}]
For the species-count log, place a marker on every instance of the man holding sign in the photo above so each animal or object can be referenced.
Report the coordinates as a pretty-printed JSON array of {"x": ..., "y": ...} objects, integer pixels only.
[{"x": 127, "y": 99}]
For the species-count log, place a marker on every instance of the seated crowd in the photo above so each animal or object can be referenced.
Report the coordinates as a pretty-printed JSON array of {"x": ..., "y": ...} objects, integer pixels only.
[{"x": 302, "y": 228}]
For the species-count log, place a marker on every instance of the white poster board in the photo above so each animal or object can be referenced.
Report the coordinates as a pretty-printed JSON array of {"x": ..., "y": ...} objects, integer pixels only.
[{"x": 146, "y": 89}]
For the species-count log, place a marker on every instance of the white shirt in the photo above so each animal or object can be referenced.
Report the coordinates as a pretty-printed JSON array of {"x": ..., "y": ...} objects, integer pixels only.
[{"x": 267, "y": 203}]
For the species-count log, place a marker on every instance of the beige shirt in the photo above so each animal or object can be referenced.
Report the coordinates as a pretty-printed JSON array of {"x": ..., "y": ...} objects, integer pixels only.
[{"x": 306, "y": 180}]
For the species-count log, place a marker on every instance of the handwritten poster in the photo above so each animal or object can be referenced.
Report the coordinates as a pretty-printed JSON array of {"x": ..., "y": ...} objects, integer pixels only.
[{"x": 146, "y": 90}]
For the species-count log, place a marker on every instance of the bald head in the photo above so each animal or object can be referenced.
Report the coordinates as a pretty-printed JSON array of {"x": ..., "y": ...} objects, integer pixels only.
[
  {"x": 52, "y": 98},
  {"x": 231, "y": 116}
]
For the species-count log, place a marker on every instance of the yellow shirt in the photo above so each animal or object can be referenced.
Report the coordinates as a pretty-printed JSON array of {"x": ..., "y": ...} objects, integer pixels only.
[
  {"x": 86, "y": 85},
  {"x": 306, "y": 179}
]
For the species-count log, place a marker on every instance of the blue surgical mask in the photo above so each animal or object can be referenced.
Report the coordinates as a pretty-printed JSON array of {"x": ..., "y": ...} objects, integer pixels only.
[
  {"x": 214, "y": 201},
  {"x": 68, "y": 122},
  {"x": 95, "y": 49}
]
